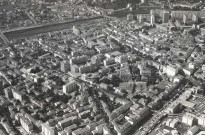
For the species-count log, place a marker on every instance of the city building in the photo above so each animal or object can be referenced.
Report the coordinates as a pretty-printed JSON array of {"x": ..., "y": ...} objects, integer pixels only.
[
  {"x": 130, "y": 17},
  {"x": 76, "y": 30},
  {"x": 18, "y": 95},
  {"x": 48, "y": 128},
  {"x": 124, "y": 67},
  {"x": 69, "y": 87},
  {"x": 188, "y": 119},
  {"x": 65, "y": 66},
  {"x": 26, "y": 124},
  {"x": 165, "y": 17}
]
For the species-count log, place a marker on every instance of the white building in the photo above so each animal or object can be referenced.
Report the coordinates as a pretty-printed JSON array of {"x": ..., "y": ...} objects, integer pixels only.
[
  {"x": 170, "y": 71},
  {"x": 17, "y": 95},
  {"x": 201, "y": 121},
  {"x": 68, "y": 88},
  {"x": 26, "y": 124},
  {"x": 48, "y": 129},
  {"x": 188, "y": 119}
]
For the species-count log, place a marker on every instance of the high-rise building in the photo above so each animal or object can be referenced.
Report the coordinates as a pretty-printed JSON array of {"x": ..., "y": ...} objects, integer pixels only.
[
  {"x": 185, "y": 19},
  {"x": 1, "y": 86},
  {"x": 26, "y": 124},
  {"x": 195, "y": 18},
  {"x": 18, "y": 95},
  {"x": 48, "y": 128},
  {"x": 65, "y": 66},
  {"x": 152, "y": 20},
  {"x": 68, "y": 88},
  {"x": 165, "y": 17}
]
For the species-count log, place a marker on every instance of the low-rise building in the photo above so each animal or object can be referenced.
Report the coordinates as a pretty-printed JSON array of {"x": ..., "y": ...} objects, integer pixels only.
[{"x": 188, "y": 119}]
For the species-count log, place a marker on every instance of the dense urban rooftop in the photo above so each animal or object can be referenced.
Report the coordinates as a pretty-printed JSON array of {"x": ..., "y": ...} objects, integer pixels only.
[{"x": 111, "y": 67}]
